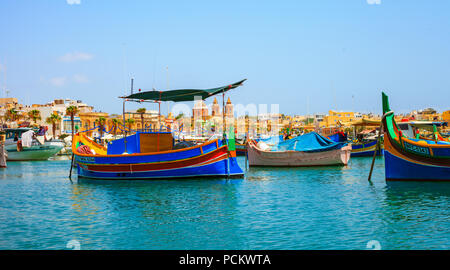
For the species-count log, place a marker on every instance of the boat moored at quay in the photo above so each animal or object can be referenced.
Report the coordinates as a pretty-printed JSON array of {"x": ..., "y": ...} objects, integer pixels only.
[
  {"x": 17, "y": 150},
  {"x": 307, "y": 150}
]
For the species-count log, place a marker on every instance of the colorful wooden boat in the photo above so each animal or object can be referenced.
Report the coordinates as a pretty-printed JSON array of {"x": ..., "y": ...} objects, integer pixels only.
[
  {"x": 307, "y": 150},
  {"x": 151, "y": 155},
  {"x": 359, "y": 149},
  {"x": 208, "y": 159},
  {"x": 366, "y": 149},
  {"x": 412, "y": 159},
  {"x": 37, "y": 150}
]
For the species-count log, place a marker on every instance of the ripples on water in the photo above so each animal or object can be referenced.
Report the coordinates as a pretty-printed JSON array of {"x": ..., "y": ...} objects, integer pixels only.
[{"x": 273, "y": 208}]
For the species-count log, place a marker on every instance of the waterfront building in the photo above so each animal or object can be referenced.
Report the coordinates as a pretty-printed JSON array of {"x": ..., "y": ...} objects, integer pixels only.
[
  {"x": 428, "y": 114},
  {"x": 334, "y": 118},
  {"x": 200, "y": 110},
  {"x": 8, "y": 103},
  {"x": 89, "y": 120},
  {"x": 446, "y": 116},
  {"x": 151, "y": 119},
  {"x": 59, "y": 106}
]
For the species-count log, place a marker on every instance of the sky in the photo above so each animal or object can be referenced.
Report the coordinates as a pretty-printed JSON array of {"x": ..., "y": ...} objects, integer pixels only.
[{"x": 307, "y": 56}]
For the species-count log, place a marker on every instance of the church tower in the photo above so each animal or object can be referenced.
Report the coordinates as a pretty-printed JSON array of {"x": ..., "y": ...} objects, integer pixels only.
[
  {"x": 200, "y": 110},
  {"x": 229, "y": 108},
  {"x": 215, "y": 110}
]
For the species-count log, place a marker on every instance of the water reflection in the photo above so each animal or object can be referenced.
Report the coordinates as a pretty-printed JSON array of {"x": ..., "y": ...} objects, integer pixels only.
[
  {"x": 321, "y": 173},
  {"x": 163, "y": 214},
  {"x": 415, "y": 215},
  {"x": 274, "y": 208}
]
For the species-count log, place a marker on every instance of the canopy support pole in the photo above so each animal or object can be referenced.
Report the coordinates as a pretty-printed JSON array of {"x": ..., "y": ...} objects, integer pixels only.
[
  {"x": 159, "y": 126},
  {"x": 125, "y": 130},
  {"x": 224, "y": 123}
]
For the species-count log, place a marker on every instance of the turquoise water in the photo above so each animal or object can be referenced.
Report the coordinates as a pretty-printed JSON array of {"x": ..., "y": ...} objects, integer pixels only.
[{"x": 273, "y": 208}]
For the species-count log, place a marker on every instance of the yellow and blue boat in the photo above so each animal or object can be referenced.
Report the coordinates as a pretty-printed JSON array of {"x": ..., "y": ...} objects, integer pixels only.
[
  {"x": 411, "y": 159},
  {"x": 151, "y": 155}
]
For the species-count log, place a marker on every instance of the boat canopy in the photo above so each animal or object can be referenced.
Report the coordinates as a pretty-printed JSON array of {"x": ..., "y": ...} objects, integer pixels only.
[
  {"x": 427, "y": 124},
  {"x": 310, "y": 142},
  {"x": 182, "y": 94},
  {"x": 367, "y": 123},
  {"x": 271, "y": 140}
]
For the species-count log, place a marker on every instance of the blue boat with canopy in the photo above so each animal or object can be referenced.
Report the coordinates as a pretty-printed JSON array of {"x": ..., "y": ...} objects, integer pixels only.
[
  {"x": 153, "y": 155},
  {"x": 311, "y": 149}
]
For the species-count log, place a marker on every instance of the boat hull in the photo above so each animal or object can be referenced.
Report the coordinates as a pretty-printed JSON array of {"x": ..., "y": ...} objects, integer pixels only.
[
  {"x": 399, "y": 167},
  {"x": 41, "y": 152},
  {"x": 208, "y": 160},
  {"x": 258, "y": 157},
  {"x": 410, "y": 159},
  {"x": 216, "y": 169}
]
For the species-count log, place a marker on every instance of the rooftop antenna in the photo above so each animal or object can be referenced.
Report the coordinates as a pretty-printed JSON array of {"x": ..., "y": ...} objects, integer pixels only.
[{"x": 132, "y": 80}]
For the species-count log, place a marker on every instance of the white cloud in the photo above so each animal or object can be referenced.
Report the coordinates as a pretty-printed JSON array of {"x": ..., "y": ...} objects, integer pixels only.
[
  {"x": 75, "y": 56},
  {"x": 79, "y": 78},
  {"x": 58, "y": 81},
  {"x": 73, "y": 2},
  {"x": 374, "y": 2}
]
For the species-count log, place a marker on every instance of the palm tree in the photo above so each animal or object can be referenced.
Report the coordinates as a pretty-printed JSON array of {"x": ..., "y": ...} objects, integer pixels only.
[
  {"x": 34, "y": 115},
  {"x": 72, "y": 111},
  {"x": 115, "y": 124},
  {"x": 101, "y": 122},
  {"x": 180, "y": 115},
  {"x": 53, "y": 120},
  {"x": 129, "y": 122},
  {"x": 141, "y": 111},
  {"x": 11, "y": 114}
]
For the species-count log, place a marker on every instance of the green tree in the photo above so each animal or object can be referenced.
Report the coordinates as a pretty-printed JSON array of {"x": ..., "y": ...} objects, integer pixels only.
[
  {"x": 101, "y": 122},
  {"x": 129, "y": 122},
  {"x": 53, "y": 120},
  {"x": 180, "y": 115},
  {"x": 141, "y": 111},
  {"x": 115, "y": 124},
  {"x": 11, "y": 114},
  {"x": 34, "y": 115},
  {"x": 72, "y": 111}
]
